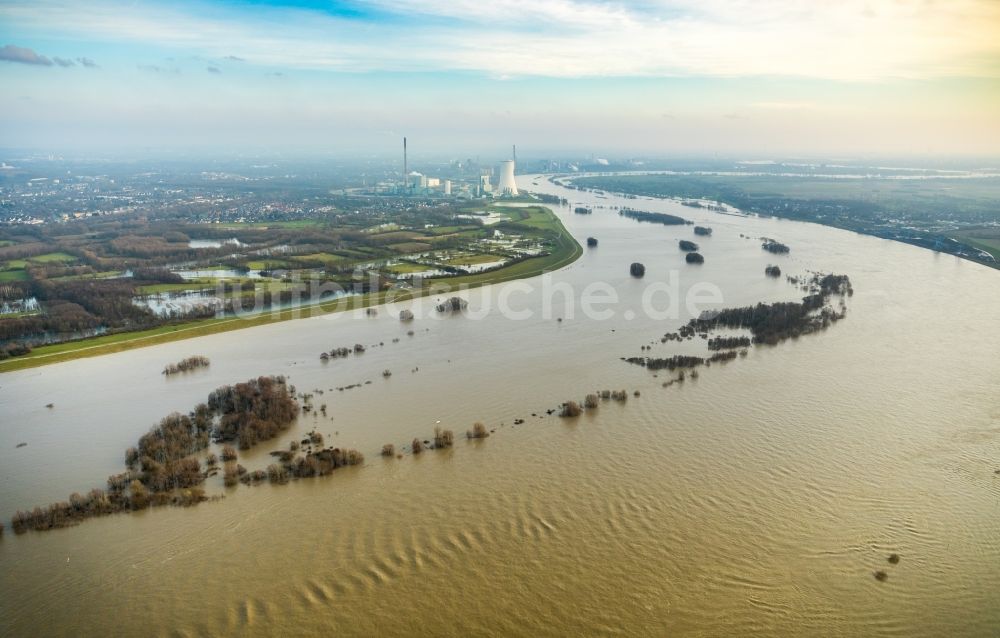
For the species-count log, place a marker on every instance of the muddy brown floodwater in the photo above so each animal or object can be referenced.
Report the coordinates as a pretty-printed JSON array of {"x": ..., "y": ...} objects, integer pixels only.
[{"x": 761, "y": 498}]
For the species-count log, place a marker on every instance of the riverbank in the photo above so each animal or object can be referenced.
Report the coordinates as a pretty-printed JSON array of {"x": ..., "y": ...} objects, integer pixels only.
[
  {"x": 912, "y": 211},
  {"x": 566, "y": 251}
]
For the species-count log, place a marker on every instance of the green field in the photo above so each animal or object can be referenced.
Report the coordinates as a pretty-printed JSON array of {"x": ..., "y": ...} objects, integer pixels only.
[
  {"x": 984, "y": 239},
  {"x": 410, "y": 247},
  {"x": 269, "y": 264},
  {"x": 534, "y": 216},
  {"x": 406, "y": 267},
  {"x": 324, "y": 257},
  {"x": 468, "y": 233},
  {"x": 565, "y": 251},
  {"x": 444, "y": 230},
  {"x": 209, "y": 283},
  {"x": 400, "y": 235},
  {"x": 107, "y": 274},
  {"x": 14, "y": 275},
  {"x": 298, "y": 223},
  {"x": 384, "y": 228},
  {"x": 50, "y": 258}
]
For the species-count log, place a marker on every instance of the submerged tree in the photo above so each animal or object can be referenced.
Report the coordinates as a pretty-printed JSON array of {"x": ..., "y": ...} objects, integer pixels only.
[
  {"x": 253, "y": 411},
  {"x": 454, "y": 304},
  {"x": 443, "y": 438},
  {"x": 775, "y": 247},
  {"x": 478, "y": 431},
  {"x": 570, "y": 409}
]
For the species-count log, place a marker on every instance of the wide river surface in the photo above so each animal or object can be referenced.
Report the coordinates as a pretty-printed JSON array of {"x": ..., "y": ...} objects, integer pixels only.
[{"x": 760, "y": 498}]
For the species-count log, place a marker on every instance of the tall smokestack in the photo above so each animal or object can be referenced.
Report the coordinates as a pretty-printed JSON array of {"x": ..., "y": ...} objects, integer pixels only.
[
  {"x": 514, "y": 153},
  {"x": 406, "y": 171}
]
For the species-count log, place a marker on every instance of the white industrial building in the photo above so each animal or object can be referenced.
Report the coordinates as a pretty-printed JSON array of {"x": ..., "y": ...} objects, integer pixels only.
[{"x": 507, "y": 185}]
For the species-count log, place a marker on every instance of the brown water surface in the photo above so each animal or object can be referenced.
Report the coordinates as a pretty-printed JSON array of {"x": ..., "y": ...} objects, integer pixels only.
[{"x": 760, "y": 498}]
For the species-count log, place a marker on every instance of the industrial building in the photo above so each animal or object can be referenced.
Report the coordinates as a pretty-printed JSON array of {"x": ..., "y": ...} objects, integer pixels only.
[
  {"x": 416, "y": 184},
  {"x": 507, "y": 186}
]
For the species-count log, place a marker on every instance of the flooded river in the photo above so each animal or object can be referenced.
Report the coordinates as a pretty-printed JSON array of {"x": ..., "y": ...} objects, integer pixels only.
[{"x": 760, "y": 498}]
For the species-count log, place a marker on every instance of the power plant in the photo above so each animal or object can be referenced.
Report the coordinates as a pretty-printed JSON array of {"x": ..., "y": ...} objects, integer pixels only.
[
  {"x": 418, "y": 184},
  {"x": 507, "y": 186}
]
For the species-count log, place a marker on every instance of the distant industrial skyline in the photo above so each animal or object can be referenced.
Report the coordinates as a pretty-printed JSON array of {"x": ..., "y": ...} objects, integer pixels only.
[{"x": 654, "y": 76}]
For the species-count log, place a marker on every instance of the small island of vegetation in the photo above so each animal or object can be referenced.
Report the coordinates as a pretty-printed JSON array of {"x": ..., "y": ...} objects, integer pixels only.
[
  {"x": 687, "y": 246},
  {"x": 767, "y": 324},
  {"x": 637, "y": 269},
  {"x": 454, "y": 304},
  {"x": 162, "y": 469},
  {"x": 774, "y": 247},
  {"x": 186, "y": 365},
  {"x": 694, "y": 258},
  {"x": 654, "y": 218}
]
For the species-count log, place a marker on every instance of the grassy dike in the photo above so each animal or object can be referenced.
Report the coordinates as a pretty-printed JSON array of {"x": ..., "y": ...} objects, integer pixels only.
[{"x": 567, "y": 250}]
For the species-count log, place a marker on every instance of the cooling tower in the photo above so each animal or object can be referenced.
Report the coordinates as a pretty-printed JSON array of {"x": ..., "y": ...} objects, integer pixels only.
[{"x": 507, "y": 185}]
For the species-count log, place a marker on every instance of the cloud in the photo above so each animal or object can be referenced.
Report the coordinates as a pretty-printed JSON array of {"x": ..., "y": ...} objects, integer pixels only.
[
  {"x": 213, "y": 69},
  {"x": 21, "y": 55},
  {"x": 234, "y": 58},
  {"x": 152, "y": 68},
  {"x": 849, "y": 40}
]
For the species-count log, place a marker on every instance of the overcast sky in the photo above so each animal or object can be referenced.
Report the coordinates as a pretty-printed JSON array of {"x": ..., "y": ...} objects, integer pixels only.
[{"x": 668, "y": 77}]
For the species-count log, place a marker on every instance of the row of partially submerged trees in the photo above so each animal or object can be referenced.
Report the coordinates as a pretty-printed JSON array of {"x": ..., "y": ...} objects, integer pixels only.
[
  {"x": 163, "y": 468},
  {"x": 443, "y": 438},
  {"x": 571, "y": 409},
  {"x": 342, "y": 352},
  {"x": 767, "y": 324},
  {"x": 186, "y": 365},
  {"x": 656, "y": 218}
]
